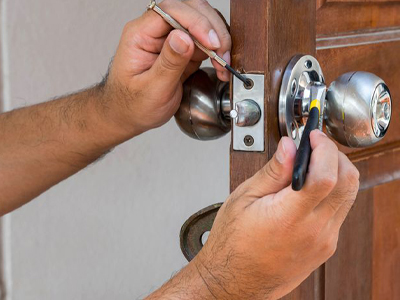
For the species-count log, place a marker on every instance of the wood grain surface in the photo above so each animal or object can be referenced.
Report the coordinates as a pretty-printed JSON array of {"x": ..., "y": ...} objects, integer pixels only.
[{"x": 350, "y": 16}]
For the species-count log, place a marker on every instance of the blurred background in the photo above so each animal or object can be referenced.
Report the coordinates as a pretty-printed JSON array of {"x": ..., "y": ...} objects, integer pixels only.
[{"x": 111, "y": 231}]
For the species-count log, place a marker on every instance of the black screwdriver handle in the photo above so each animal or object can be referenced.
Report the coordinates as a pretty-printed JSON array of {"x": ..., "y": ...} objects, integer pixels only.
[{"x": 304, "y": 152}]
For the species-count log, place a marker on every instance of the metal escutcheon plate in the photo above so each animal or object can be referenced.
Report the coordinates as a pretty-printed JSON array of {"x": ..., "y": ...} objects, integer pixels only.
[
  {"x": 301, "y": 70},
  {"x": 195, "y": 227}
]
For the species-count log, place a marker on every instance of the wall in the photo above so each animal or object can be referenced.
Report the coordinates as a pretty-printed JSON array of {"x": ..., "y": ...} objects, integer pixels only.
[{"x": 110, "y": 232}]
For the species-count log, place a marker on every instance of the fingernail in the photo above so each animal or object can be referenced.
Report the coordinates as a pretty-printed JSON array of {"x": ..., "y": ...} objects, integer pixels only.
[
  {"x": 227, "y": 57},
  {"x": 179, "y": 43},
  {"x": 281, "y": 152},
  {"x": 214, "y": 40}
]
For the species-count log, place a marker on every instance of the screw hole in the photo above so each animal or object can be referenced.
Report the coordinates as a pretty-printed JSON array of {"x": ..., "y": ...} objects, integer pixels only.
[
  {"x": 204, "y": 237},
  {"x": 308, "y": 64},
  {"x": 249, "y": 84},
  {"x": 294, "y": 87}
]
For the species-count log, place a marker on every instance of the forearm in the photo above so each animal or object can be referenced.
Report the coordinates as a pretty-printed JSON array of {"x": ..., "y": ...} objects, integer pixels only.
[
  {"x": 43, "y": 144},
  {"x": 187, "y": 284}
]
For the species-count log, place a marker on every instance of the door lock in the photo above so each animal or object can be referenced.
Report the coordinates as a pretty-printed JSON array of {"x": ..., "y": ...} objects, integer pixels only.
[
  {"x": 206, "y": 112},
  {"x": 356, "y": 107},
  {"x": 246, "y": 113}
]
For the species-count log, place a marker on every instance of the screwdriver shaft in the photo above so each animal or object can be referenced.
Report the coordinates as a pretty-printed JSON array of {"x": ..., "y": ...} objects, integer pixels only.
[{"x": 212, "y": 54}]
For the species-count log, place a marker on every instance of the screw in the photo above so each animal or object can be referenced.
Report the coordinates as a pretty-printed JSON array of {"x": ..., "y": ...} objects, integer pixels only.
[
  {"x": 249, "y": 140},
  {"x": 249, "y": 84}
]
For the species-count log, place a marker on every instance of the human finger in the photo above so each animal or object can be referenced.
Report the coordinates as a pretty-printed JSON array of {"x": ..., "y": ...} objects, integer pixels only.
[
  {"x": 172, "y": 61},
  {"x": 219, "y": 24},
  {"x": 194, "y": 21},
  {"x": 321, "y": 177},
  {"x": 342, "y": 197},
  {"x": 276, "y": 174}
]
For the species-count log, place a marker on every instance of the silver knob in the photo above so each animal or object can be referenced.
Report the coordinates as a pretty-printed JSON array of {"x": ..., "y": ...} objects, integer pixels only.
[
  {"x": 205, "y": 112},
  {"x": 358, "y": 109},
  {"x": 205, "y": 106}
]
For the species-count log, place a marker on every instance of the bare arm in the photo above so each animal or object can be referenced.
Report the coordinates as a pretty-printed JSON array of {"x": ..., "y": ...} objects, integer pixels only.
[
  {"x": 46, "y": 143},
  {"x": 187, "y": 284}
]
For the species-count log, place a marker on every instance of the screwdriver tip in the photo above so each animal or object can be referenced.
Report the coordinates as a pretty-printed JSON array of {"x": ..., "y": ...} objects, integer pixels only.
[{"x": 246, "y": 81}]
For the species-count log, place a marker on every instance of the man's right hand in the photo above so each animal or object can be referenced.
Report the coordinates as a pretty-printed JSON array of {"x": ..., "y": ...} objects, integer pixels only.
[
  {"x": 144, "y": 87},
  {"x": 268, "y": 238}
]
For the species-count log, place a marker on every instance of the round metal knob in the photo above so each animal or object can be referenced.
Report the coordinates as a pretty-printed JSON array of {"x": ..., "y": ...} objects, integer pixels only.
[
  {"x": 358, "y": 109},
  {"x": 205, "y": 106}
]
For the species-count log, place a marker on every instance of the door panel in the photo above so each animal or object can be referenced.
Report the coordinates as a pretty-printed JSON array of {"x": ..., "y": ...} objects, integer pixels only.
[
  {"x": 344, "y": 36},
  {"x": 367, "y": 262},
  {"x": 351, "y": 266},
  {"x": 386, "y": 236},
  {"x": 345, "y": 16}
]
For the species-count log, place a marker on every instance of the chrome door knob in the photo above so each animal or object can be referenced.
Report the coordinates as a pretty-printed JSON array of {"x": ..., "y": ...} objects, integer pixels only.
[
  {"x": 205, "y": 112},
  {"x": 358, "y": 109},
  {"x": 205, "y": 107}
]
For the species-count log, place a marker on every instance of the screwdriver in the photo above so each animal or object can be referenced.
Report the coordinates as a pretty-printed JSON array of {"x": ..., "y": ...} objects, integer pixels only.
[
  {"x": 303, "y": 155},
  {"x": 171, "y": 21}
]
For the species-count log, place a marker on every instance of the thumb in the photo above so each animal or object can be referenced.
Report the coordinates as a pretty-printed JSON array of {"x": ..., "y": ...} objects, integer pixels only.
[
  {"x": 277, "y": 173},
  {"x": 173, "y": 60}
]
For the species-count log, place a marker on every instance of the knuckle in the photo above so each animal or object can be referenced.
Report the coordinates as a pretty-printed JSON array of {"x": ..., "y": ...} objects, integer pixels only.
[
  {"x": 201, "y": 3},
  {"x": 327, "y": 181},
  {"x": 200, "y": 22},
  {"x": 166, "y": 64},
  {"x": 226, "y": 38},
  {"x": 270, "y": 172},
  {"x": 352, "y": 176},
  {"x": 129, "y": 26},
  {"x": 329, "y": 247}
]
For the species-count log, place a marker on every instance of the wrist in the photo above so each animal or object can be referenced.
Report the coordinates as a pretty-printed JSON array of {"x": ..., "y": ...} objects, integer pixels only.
[
  {"x": 187, "y": 284},
  {"x": 230, "y": 277},
  {"x": 110, "y": 104}
]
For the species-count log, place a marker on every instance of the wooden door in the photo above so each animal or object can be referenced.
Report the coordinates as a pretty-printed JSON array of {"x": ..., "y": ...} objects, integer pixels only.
[{"x": 344, "y": 36}]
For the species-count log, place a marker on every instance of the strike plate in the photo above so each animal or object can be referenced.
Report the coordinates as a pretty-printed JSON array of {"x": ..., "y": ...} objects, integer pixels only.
[{"x": 249, "y": 138}]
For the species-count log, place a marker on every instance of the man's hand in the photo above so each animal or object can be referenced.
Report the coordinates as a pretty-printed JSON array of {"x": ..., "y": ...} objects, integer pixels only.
[
  {"x": 152, "y": 62},
  {"x": 46, "y": 143},
  {"x": 268, "y": 238}
]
